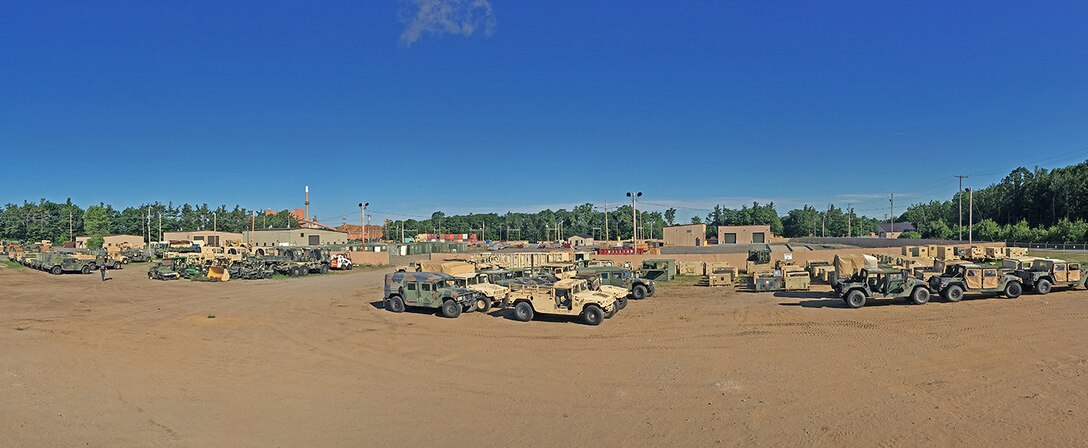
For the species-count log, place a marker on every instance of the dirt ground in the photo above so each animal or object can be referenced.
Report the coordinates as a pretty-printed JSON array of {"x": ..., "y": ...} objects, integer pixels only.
[{"x": 316, "y": 362}]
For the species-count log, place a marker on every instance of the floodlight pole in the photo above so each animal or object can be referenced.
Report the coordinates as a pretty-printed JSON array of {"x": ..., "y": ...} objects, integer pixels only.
[
  {"x": 970, "y": 216},
  {"x": 960, "y": 200}
]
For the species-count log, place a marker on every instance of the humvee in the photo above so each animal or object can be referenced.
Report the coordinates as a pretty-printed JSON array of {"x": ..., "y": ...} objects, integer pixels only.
[
  {"x": 557, "y": 270},
  {"x": 427, "y": 290},
  {"x": 659, "y": 269},
  {"x": 568, "y": 297},
  {"x": 971, "y": 277},
  {"x": 1047, "y": 273},
  {"x": 593, "y": 281},
  {"x": 882, "y": 283},
  {"x": 638, "y": 288},
  {"x": 58, "y": 263}
]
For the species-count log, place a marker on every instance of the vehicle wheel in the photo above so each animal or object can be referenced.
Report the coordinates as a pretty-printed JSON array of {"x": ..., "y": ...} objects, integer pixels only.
[
  {"x": 324, "y": 269},
  {"x": 855, "y": 299},
  {"x": 920, "y": 296},
  {"x": 615, "y": 308},
  {"x": 85, "y": 270},
  {"x": 451, "y": 309},
  {"x": 483, "y": 304},
  {"x": 621, "y": 303},
  {"x": 56, "y": 270},
  {"x": 1013, "y": 290},
  {"x": 954, "y": 293},
  {"x": 593, "y": 315},
  {"x": 1043, "y": 287},
  {"x": 295, "y": 271},
  {"x": 395, "y": 304},
  {"x": 638, "y": 292},
  {"x": 116, "y": 265},
  {"x": 523, "y": 311}
]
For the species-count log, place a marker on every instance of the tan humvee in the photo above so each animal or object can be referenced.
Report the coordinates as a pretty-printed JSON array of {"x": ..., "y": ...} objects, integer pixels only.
[
  {"x": 465, "y": 276},
  {"x": 568, "y": 297}
]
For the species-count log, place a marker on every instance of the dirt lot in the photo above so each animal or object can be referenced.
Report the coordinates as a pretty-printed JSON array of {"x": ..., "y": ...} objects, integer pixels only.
[{"x": 316, "y": 362}]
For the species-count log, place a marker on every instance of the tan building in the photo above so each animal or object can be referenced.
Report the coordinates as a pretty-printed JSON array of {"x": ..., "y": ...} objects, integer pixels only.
[
  {"x": 685, "y": 235},
  {"x": 205, "y": 237},
  {"x": 296, "y": 237},
  {"x": 745, "y": 234},
  {"x": 113, "y": 241},
  {"x": 580, "y": 241}
]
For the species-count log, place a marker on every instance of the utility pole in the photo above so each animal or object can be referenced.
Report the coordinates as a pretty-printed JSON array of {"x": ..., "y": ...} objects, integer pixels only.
[
  {"x": 606, "y": 220},
  {"x": 252, "y": 225},
  {"x": 160, "y": 226},
  {"x": 70, "y": 237},
  {"x": 634, "y": 216},
  {"x": 362, "y": 211},
  {"x": 215, "y": 222},
  {"x": 149, "y": 231},
  {"x": 891, "y": 212},
  {"x": 970, "y": 216},
  {"x": 849, "y": 218},
  {"x": 960, "y": 199}
]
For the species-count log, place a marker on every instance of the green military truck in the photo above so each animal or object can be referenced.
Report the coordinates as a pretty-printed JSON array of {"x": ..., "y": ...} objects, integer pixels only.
[
  {"x": 639, "y": 288},
  {"x": 659, "y": 269},
  {"x": 1048, "y": 273},
  {"x": 427, "y": 290},
  {"x": 881, "y": 283},
  {"x": 962, "y": 278},
  {"x": 58, "y": 263}
]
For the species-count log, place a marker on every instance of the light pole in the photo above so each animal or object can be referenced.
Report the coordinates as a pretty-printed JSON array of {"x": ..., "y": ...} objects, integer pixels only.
[
  {"x": 362, "y": 211},
  {"x": 634, "y": 216},
  {"x": 970, "y": 216}
]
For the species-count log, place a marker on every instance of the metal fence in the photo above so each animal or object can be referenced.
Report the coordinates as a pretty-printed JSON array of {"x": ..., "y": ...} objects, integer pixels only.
[{"x": 1050, "y": 246}]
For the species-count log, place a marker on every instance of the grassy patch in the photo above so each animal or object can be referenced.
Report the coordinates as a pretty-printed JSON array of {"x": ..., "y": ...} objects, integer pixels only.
[
  {"x": 13, "y": 265},
  {"x": 685, "y": 280},
  {"x": 1067, "y": 256}
]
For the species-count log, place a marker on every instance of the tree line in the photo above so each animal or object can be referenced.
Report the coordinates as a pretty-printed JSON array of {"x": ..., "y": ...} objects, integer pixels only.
[
  {"x": 1036, "y": 205},
  {"x": 47, "y": 220}
]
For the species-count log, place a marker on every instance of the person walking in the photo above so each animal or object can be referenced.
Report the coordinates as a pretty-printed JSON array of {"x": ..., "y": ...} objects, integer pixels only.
[{"x": 102, "y": 269}]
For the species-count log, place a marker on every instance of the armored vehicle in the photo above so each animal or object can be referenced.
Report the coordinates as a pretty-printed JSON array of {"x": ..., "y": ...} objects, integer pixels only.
[
  {"x": 58, "y": 263},
  {"x": 960, "y": 278},
  {"x": 638, "y": 288},
  {"x": 659, "y": 269},
  {"x": 568, "y": 297},
  {"x": 1047, "y": 273},
  {"x": 882, "y": 283},
  {"x": 427, "y": 290}
]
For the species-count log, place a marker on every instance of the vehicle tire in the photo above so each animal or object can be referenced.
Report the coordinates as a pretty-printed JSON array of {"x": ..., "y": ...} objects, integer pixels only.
[
  {"x": 1013, "y": 290},
  {"x": 483, "y": 304},
  {"x": 609, "y": 314},
  {"x": 523, "y": 311},
  {"x": 621, "y": 303},
  {"x": 920, "y": 296},
  {"x": 85, "y": 270},
  {"x": 351, "y": 266},
  {"x": 295, "y": 271},
  {"x": 451, "y": 309},
  {"x": 954, "y": 293},
  {"x": 324, "y": 269},
  {"x": 1043, "y": 287},
  {"x": 592, "y": 315},
  {"x": 855, "y": 299},
  {"x": 638, "y": 292},
  {"x": 56, "y": 270},
  {"x": 395, "y": 304},
  {"x": 117, "y": 265}
]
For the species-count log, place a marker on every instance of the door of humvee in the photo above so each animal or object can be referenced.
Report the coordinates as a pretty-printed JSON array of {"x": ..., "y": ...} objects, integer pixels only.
[
  {"x": 973, "y": 278},
  {"x": 894, "y": 284},
  {"x": 1060, "y": 274},
  {"x": 428, "y": 294},
  {"x": 411, "y": 293},
  {"x": 989, "y": 278},
  {"x": 1074, "y": 272}
]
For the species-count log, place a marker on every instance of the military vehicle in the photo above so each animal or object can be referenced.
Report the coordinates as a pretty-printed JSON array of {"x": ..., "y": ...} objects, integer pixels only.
[
  {"x": 58, "y": 263},
  {"x": 1048, "y": 273},
  {"x": 638, "y": 288},
  {"x": 593, "y": 280},
  {"x": 295, "y": 261},
  {"x": 882, "y": 283},
  {"x": 1012, "y": 264},
  {"x": 165, "y": 269},
  {"x": 568, "y": 297},
  {"x": 659, "y": 269},
  {"x": 465, "y": 276},
  {"x": 961, "y": 278},
  {"x": 250, "y": 269},
  {"x": 427, "y": 290},
  {"x": 557, "y": 270}
]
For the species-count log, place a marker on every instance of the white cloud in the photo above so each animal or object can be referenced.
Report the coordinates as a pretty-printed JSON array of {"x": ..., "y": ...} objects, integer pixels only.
[{"x": 438, "y": 17}]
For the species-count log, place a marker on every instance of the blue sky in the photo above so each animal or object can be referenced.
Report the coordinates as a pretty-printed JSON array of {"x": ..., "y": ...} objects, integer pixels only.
[{"x": 476, "y": 105}]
